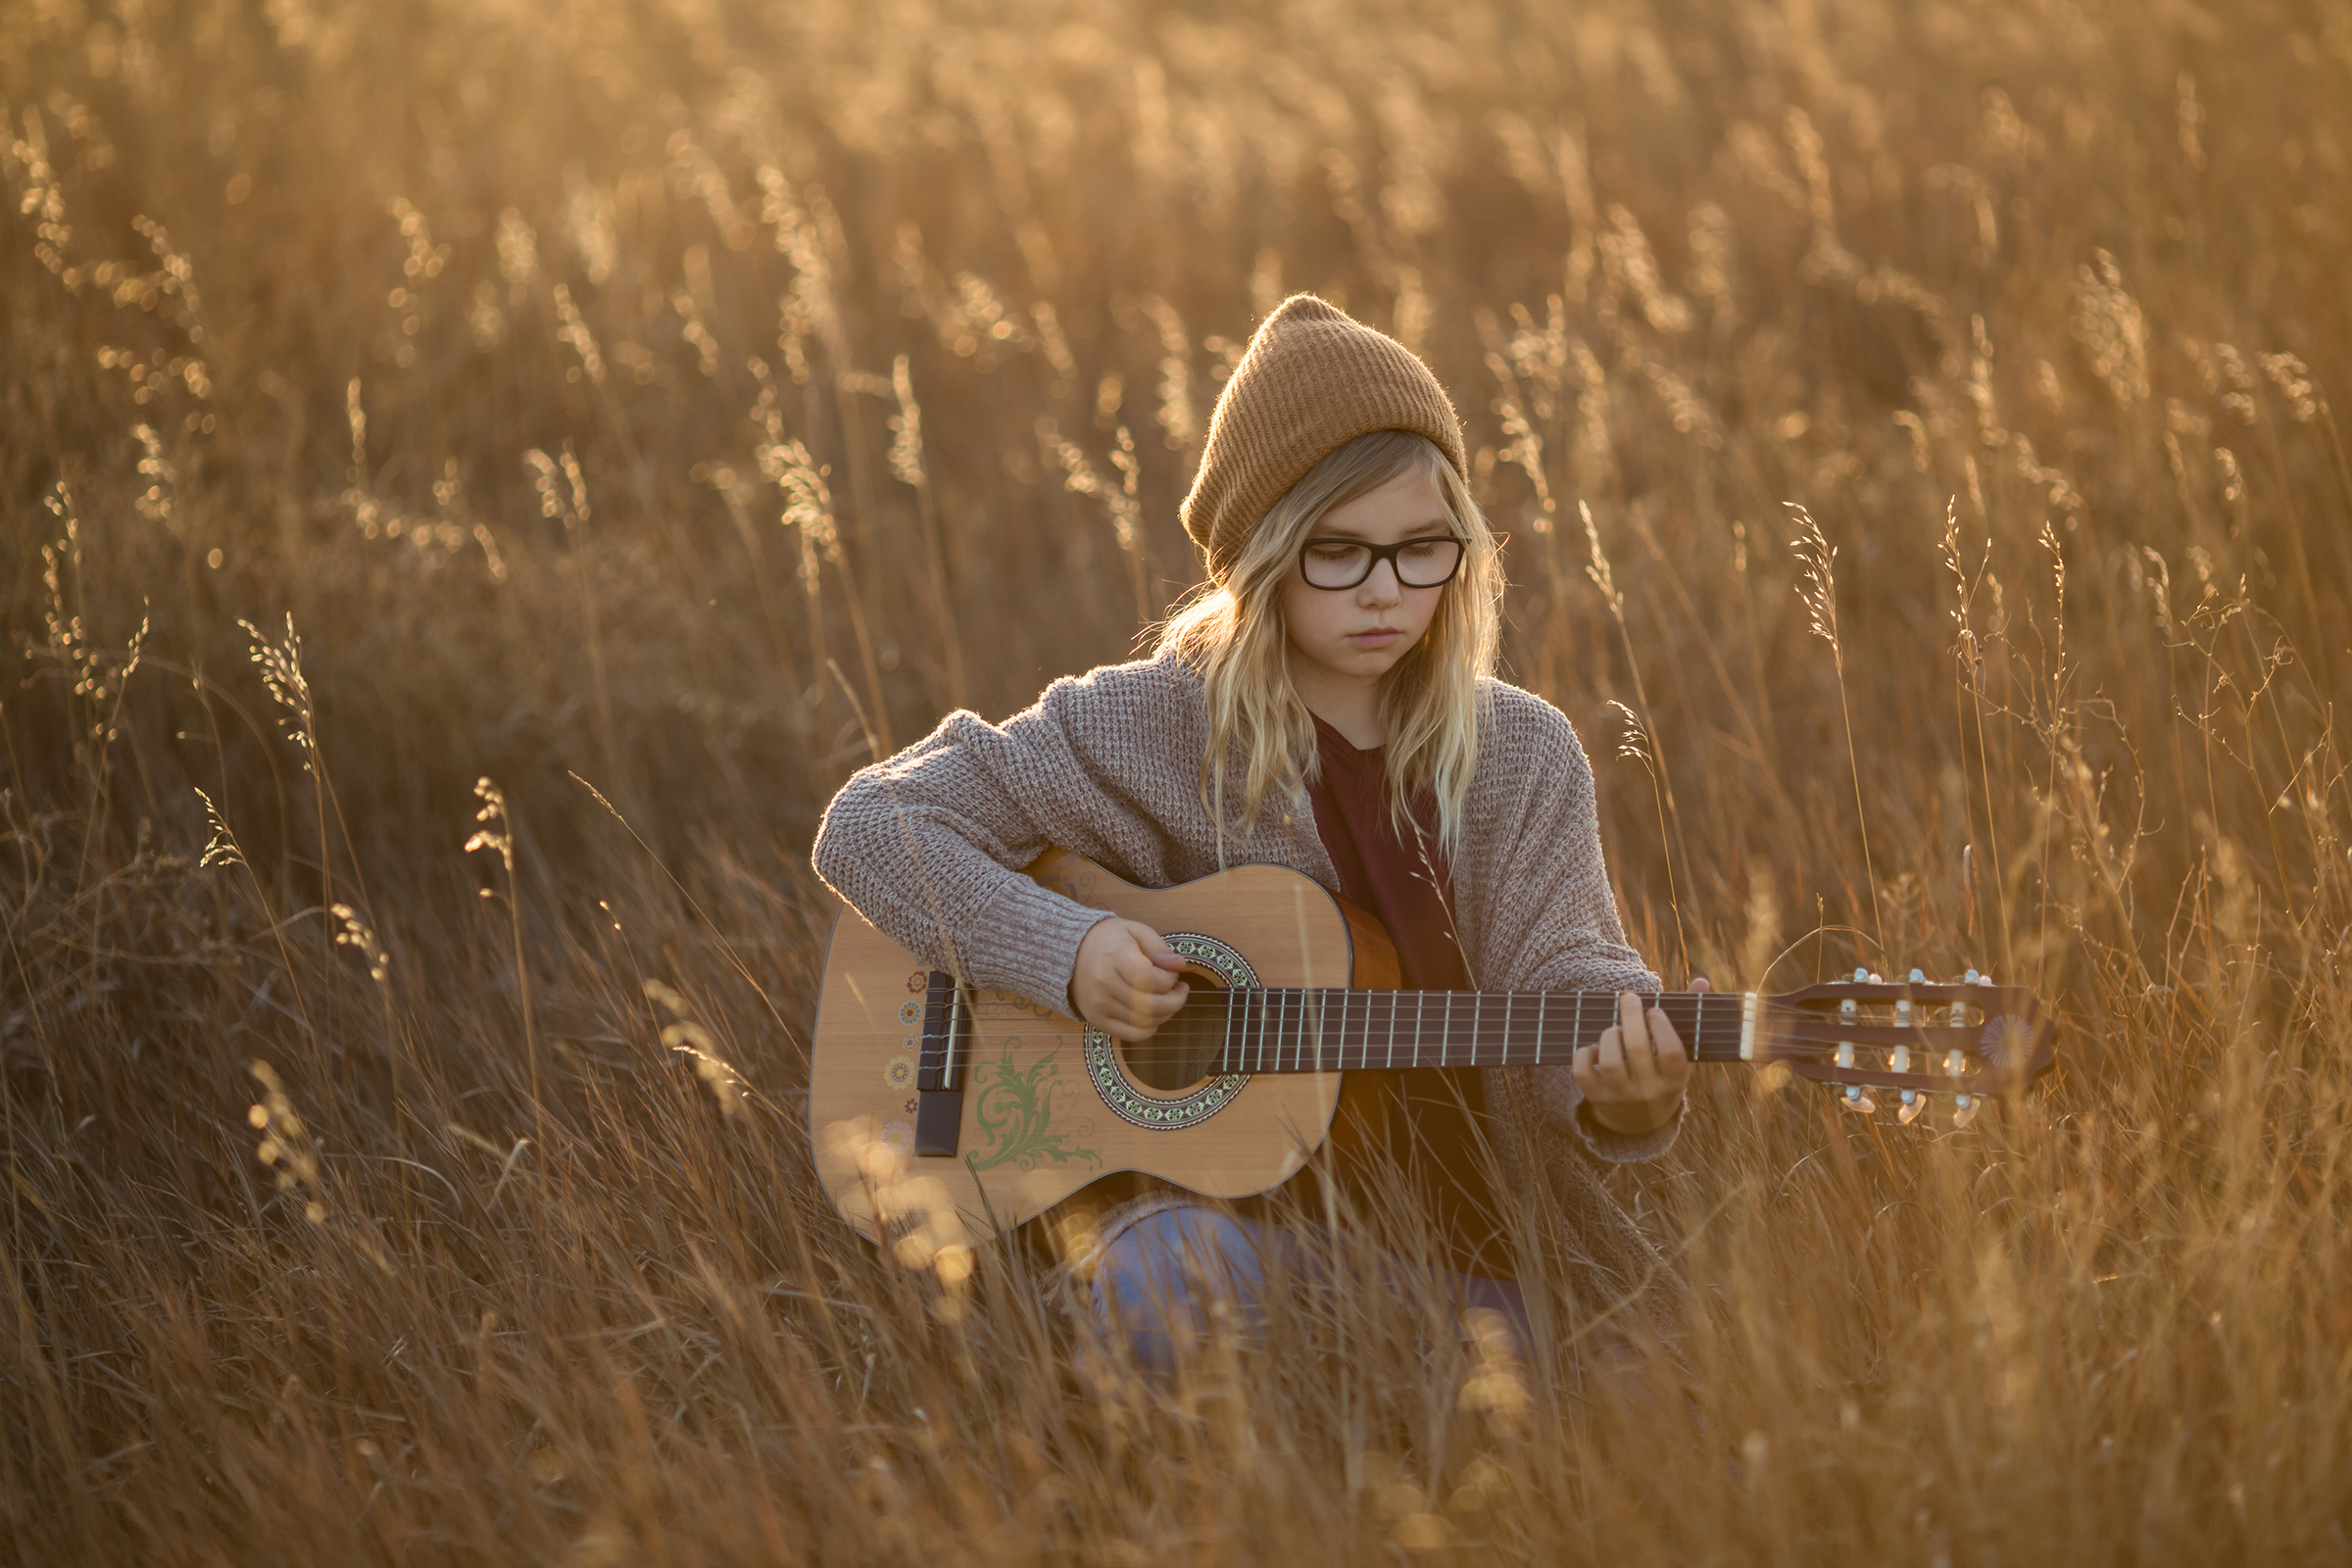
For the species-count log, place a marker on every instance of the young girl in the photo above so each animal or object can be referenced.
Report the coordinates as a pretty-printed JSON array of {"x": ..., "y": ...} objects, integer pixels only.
[{"x": 1328, "y": 704}]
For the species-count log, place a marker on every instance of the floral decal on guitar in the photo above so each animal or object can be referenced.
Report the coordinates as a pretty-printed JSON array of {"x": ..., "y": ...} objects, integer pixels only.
[{"x": 1013, "y": 1115}]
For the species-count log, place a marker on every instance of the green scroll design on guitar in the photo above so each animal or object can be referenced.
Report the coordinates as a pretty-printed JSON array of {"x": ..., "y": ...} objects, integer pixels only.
[{"x": 1014, "y": 1114}]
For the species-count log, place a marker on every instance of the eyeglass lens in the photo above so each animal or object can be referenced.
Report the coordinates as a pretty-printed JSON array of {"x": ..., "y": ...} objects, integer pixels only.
[{"x": 1418, "y": 563}]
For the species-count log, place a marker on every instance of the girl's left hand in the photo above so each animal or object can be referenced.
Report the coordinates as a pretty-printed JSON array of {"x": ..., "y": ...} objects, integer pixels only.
[{"x": 1635, "y": 1075}]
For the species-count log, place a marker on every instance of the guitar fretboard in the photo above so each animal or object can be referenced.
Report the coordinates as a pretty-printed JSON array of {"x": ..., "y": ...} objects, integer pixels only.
[{"x": 1330, "y": 1030}]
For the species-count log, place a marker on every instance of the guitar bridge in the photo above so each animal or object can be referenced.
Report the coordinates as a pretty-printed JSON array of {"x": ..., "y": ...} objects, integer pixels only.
[{"x": 939, "y": 1071}]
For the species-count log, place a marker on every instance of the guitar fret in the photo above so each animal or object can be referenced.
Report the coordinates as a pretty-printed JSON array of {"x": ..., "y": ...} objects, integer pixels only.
[
  {"x": 1505, "y": 1055},
  {"x": 1392, "y": 1061},
  {"x": 1541, "y": 998}
]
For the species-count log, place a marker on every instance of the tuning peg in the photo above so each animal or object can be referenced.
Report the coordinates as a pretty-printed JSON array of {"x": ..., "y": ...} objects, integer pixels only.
[
  {"x": 1861, "y": 975},
  {"x": 1919, "y": 977},
  {"x": 1849, "y": 1012},
  {"x": 1955, "y": 1064},
  {"x": 1900, "y": 1059},
  {"x": 1915, "y": 1105}
]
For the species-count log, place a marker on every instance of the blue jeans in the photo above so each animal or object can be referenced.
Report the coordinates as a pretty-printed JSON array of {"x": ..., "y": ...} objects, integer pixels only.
[{"x": 1156, "y": 1279}]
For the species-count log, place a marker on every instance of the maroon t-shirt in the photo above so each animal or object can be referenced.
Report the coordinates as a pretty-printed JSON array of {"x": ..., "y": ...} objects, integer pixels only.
[{"x": 1423, "y": 1117}]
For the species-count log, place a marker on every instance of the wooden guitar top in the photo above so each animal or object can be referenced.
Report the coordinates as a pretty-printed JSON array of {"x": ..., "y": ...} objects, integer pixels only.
[{"x": 1043, "y": 1113}]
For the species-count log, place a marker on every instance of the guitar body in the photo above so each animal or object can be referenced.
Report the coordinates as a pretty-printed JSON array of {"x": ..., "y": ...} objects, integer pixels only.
[{"x": 1045, "y": 1111}]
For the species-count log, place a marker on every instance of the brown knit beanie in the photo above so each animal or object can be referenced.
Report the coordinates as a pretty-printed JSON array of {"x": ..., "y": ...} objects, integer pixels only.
[{"x": 1313, "y": 380}]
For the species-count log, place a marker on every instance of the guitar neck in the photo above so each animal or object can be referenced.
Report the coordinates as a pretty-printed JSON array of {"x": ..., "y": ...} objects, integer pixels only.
[{"x": 1330, "y": 1030}]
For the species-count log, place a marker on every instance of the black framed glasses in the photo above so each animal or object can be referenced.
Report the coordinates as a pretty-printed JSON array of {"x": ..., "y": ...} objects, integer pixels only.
[{"x": 1340, "y": 564}]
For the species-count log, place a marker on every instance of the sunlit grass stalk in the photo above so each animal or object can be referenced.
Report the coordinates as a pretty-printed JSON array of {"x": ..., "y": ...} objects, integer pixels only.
[
  {"x": 1651, "y": 755},
  {"x": 1523, "y": 449},
  {"x": 906, "y": 463},
  {"x": 280, "y": 665},
  {"x": 1639, "y": 746},
  {"x": 1118, "y": 501},
  {"x": 808, "y": 506},
  {"x": 1968, "y": 666},
  {"x": 1819, "y": 591},
  {"x": 564, "y": 498},
  {"x": 497, "y": 835}
]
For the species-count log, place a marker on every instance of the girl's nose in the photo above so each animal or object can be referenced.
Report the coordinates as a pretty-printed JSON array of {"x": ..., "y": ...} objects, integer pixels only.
[{"x": 1382, "y": 586}]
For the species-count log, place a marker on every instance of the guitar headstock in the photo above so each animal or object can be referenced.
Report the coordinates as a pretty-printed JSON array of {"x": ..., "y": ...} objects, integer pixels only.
[{"x": 1972, "y": 1040}]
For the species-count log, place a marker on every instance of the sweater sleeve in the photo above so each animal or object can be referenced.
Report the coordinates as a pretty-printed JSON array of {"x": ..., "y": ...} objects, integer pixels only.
[
  {"x": 928, "y": 844},
  {"x": 1559, "y": 929}
]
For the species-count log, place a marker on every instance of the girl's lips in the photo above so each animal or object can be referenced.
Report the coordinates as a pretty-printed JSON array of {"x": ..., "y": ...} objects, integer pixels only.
[{"x": 1379, "y": 638}]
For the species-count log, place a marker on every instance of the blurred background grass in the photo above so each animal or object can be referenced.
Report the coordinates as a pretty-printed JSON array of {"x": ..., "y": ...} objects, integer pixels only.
[{"x": 690, "y": 396}]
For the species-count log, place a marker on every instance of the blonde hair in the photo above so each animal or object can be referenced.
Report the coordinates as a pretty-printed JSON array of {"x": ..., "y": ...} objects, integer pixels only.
[{"x": 1431, "y": 703}]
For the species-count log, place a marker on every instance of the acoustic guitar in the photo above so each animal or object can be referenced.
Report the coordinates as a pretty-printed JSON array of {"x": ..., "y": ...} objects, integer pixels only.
[{"x": 1011, "y": 1108}]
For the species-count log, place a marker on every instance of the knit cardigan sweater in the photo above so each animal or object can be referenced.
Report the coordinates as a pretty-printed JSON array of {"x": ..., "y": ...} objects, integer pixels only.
[{"x": 928, "y": 844}]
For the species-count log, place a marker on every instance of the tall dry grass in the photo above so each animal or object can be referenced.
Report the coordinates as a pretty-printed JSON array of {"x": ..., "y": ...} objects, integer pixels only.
[{"x": 677, "y": 399}]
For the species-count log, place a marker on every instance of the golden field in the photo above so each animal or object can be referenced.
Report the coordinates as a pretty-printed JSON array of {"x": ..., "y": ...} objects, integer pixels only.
[{"x": 653, "y": 408}]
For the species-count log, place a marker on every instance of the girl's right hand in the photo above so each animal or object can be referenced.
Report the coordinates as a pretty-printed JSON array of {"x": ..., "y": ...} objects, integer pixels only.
[{"x": 1127, "y": 982}]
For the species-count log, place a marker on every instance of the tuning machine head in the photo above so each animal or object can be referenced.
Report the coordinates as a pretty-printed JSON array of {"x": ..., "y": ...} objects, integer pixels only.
[{"x": 1865, "y": 1035}]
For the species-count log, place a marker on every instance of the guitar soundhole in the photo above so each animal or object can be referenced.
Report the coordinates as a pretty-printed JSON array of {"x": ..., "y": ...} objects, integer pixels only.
[
  {"x": 1186, "y": 1049},
  {"x": 1176, "y": 1080}
]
